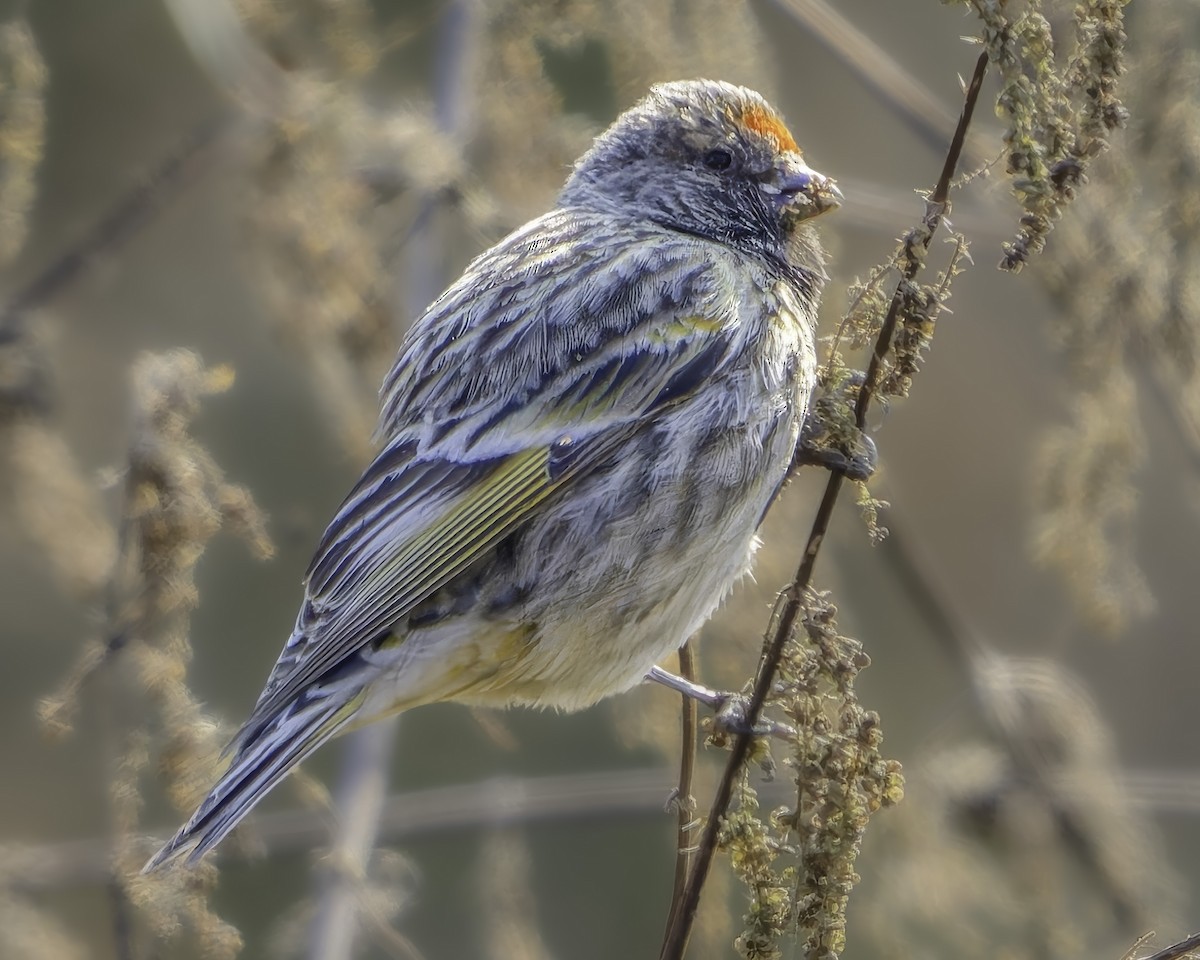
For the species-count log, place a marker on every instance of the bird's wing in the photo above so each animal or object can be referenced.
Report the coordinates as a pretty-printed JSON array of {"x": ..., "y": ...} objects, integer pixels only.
[{"x": 511, "y": 388}]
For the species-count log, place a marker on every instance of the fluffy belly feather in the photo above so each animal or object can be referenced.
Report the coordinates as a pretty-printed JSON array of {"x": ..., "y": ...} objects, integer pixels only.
[{"x": 581, "y": 603}]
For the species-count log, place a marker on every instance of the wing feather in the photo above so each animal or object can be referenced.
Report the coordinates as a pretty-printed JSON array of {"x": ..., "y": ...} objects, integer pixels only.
[{"x": 478, "y": 440}]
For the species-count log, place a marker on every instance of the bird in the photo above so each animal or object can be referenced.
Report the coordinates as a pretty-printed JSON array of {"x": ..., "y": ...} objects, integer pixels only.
[{"x": 578, "y": 442}]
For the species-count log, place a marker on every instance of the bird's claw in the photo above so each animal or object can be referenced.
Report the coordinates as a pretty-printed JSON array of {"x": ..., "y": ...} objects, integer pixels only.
[
  {"x": 730, "y": 710},
  {"x": 732, "y": 717},
  {"x": 830, "y": 438},
  {"x": 858, "y": 465}
]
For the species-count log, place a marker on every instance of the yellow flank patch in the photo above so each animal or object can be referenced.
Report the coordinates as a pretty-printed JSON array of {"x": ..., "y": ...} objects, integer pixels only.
[
  {"x": 678, "y": 328},
  {"x": 513, "y": 644},
  {"x": 767, "y": 124},
  {"x": 484, "y": 671}
]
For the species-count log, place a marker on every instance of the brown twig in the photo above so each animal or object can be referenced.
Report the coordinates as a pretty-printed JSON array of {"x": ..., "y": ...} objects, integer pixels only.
[
  {"x": 685, "y": 803},
  {"x": 935, "y": 209}
]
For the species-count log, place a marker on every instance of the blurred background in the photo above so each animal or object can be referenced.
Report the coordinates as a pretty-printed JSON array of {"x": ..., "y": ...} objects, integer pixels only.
[{"x": 281, "y": 189}]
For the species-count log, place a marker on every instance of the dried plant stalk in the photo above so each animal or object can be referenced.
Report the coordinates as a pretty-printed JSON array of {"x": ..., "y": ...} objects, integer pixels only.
[{"x": 175, "y": 500}]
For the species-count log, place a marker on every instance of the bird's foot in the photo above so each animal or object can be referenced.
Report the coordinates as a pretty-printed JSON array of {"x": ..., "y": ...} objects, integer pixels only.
[
  {"x": 730, "y": 710},
  {"x": 831, "y": 439}
]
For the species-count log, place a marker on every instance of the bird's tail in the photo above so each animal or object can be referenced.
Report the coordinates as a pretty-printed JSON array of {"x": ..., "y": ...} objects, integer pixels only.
[{"x": 262, "y": 758}]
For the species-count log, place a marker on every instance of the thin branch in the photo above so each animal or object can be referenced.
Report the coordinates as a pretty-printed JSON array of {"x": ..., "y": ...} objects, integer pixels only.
[
  {"x": 935, "y": 210},
  {"x": 223, "y": 48},
  {"x": 493, "y": 803},
  {"x": 1177, "y": 950},
  {"x": 364, "y": 784},
  {"x": 132, "y": 212},
  {"x": 458, "y": 37},
  {"x": 359, "y": 801},
  {"x": 872, "y": 205},
  {"x": 487, "y": 804},
  {"x": 685, "y": 803},
  {"x": 122, "y": 922},
  {"x": 879, "y": 70},
  {"x": 1066, "y": 787},
  {"x": 922, "y": 584}
]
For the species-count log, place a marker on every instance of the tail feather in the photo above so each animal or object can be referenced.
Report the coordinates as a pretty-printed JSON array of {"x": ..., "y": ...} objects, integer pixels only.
[{"x": 259, "y": 763}]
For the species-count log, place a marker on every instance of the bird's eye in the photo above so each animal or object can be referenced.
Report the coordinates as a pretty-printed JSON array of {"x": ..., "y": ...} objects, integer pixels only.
[{"x": 718, "y": 159}]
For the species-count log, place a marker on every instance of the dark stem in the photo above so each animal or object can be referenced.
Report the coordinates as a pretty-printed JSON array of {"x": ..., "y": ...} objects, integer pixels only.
[
  {"x": 684, "y": 802},
  {"x": 935, "y": 208}
]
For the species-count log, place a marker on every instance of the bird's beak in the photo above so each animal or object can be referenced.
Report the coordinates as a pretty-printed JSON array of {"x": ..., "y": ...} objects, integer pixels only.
[{"x": 800, "y": 190}]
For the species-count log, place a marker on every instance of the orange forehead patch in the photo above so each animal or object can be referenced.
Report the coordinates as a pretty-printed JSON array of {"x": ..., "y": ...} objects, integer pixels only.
[{"x": 767, "y": 124}]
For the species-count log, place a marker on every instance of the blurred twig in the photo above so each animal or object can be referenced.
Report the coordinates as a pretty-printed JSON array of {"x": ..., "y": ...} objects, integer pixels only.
[
  {"x": 504, "y": 801},
  {"x": 922, "y": 585},
  {"x": 1054, "y": 747},
  {"x": 132, "y": 212},
  {"x": 359, "y": 801},
  {"x": 879, "y": 70},
  {"x": 457, "y": 37},
  {"x": 935, "y": 209},
  {"x": 498, "y": 802},
  {"x": 509, "y": 909},
  {"x": 176, "y": 499},
  {"x": 364, "y": 774},
  {"x": 217, "y": 38},
  {"x": 122, "y": 924},
  {"x": 23, "y": 77}
]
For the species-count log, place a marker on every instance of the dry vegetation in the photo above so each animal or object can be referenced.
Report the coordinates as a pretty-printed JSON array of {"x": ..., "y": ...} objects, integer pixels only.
[{"x": 341, "y": 197}]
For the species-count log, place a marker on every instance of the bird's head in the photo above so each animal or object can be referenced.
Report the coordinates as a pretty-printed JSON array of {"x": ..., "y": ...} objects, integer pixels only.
[{"x": 707, "y": 158}]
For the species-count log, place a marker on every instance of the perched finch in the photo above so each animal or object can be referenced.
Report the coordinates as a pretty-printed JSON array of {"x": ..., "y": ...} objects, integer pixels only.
[{"x": 580, "y": 438}]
